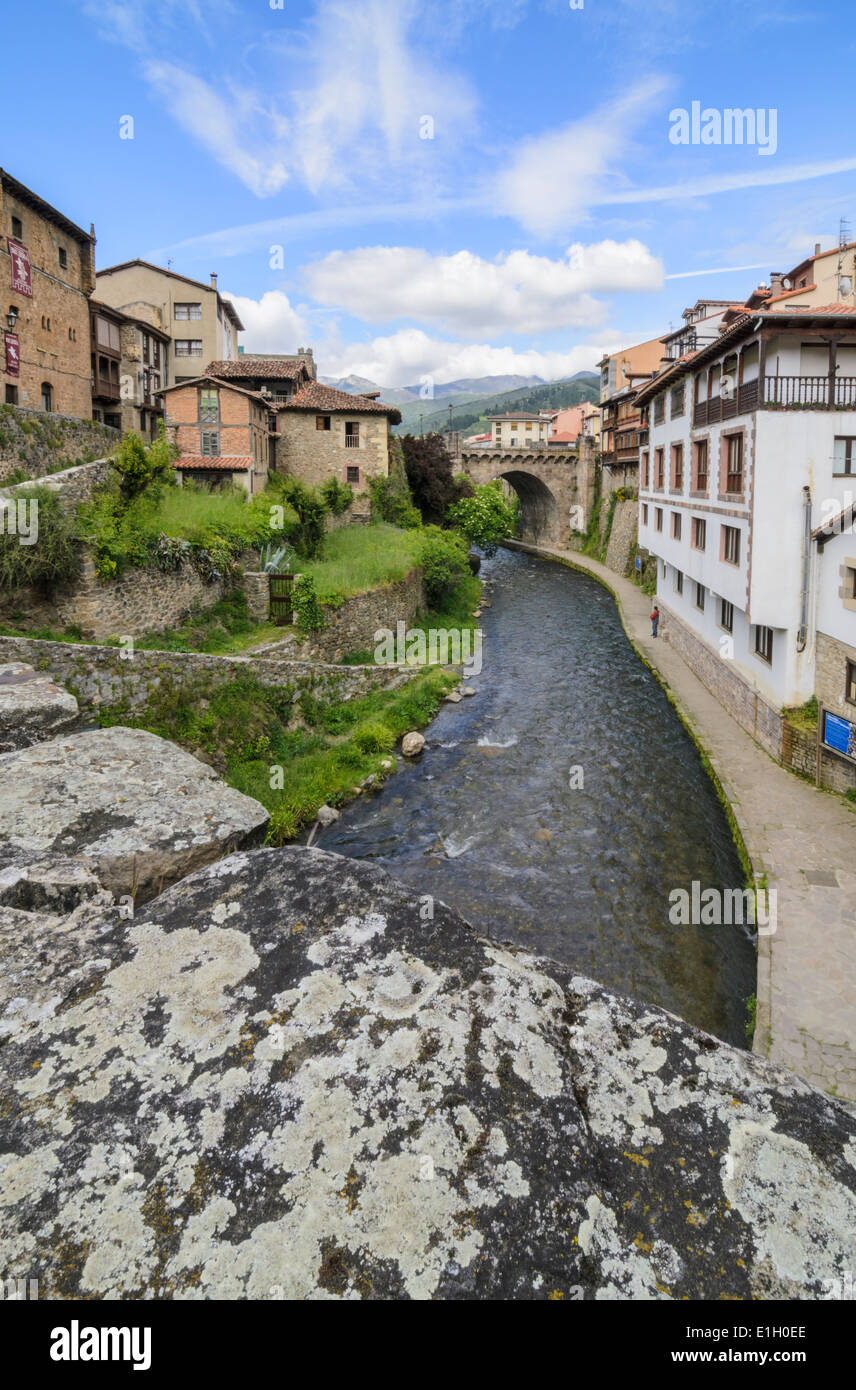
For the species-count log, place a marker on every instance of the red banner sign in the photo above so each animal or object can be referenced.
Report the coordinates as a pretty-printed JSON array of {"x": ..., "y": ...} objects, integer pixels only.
[
  {"x": 22, "y": 280},
  {"x": 13, "y": 354}
]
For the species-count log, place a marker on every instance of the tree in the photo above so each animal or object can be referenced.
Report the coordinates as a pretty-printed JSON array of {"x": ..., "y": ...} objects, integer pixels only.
[
  {"x": 486, "y": 518},
  {"x": 429, "y": 474},
  {"x": 140, "y": 468}
]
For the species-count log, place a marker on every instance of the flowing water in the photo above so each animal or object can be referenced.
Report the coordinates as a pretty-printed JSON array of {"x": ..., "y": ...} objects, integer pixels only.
[{"x": 493, "y": 821}]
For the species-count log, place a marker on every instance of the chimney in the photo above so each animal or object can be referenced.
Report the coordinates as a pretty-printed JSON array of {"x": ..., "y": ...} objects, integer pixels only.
[
  {"x": 776, "y": 278},
  {"x": 817, "y": 248},
  {"x": 213, "y": 281}
]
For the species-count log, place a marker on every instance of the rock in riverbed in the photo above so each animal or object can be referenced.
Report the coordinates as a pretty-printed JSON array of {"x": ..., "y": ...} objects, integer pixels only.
[
  {"x": 412, "y": 744},
  {"x": 285, "y": 1082},
  {"x": 141, "y": 810}
]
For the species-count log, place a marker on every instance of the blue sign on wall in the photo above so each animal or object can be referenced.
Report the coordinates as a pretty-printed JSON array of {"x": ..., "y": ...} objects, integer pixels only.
[{"x": 839, "y": 734}]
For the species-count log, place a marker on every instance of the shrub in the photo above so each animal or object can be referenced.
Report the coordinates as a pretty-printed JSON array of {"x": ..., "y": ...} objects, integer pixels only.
[
  {"x": 390, "y": 503},
  {"x": 337, "y": 497},
  {"x": 443, "y": 556},
  {"x": 374, "y": 738},
  {"x": 306, "y": 606},
  {"x": 139, "y": 467},
  {"x": 486, "y": 518},
  {"x": 55, "y": 556},
  {"x": 311, "y": 511}
]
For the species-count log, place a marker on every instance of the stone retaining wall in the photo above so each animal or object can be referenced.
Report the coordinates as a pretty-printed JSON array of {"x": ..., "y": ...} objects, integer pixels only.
[
  {"x": 621, "y": 550},
  {"x": 352, "y": 626},
  {"x": 37, "y": 441},
  {"x": 750, "y": 709},
  {"x": 104, "y": 676},
  {"x": 74, "y": 485}
]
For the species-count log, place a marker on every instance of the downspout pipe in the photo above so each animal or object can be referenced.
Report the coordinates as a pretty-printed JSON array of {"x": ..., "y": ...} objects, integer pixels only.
[{"x": 802, "y": 635}]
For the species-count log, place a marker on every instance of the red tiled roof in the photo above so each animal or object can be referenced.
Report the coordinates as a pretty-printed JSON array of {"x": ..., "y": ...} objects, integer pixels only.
[
  {"x": 786, "y": 294},
  {"x": 238, "y": 463},
  {"x": 314, "y": 396},
  {"x": 267, "y": 368}
]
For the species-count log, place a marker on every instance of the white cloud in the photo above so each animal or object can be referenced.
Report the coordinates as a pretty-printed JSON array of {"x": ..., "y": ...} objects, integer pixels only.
[
  {"x": 518, "y": 292},
  {"x": 404, "y": 358},
  {"x": 553, "y": 179},
  {"x": 272, "y": 323}
]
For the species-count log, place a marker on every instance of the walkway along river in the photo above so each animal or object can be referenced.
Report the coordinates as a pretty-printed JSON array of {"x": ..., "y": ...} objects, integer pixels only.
[{"x": 493, "y": 821}]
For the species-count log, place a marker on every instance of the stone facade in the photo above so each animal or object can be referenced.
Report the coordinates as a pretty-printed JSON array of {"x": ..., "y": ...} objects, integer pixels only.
[
  {"x": 101, "y": 677},
  {"x": 53, "y": 324},
  {"x": 314, "y": 455},
  {"x": 837, "y": 771},
  {"x": 621, "y": 550},
  {"x": 752, "y": 712},
  {"x": 36, "y": 442},
  {"x": 256, "y": 586}
]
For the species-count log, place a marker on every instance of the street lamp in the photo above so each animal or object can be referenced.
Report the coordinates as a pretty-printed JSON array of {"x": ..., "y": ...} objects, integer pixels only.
[{"x": 12, "y": 316}]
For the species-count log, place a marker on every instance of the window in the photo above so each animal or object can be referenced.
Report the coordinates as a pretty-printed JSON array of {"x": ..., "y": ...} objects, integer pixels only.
[
  {"x": 107, "y": 334},
  {"x": 658, "y": 468},
  {"x": 210, "y": 443},
  {"x": 658, "y": 518},
  {"x": 844, "y": 455},
  {"x": 677, "y": 467},
  {"x": 46, "y": 324},
  {"x": 726, "y": 615},
  {"x": 72, "y": 335},
  {"x": 699, "y": 597},
  {"x": 644, "y": 513},
  {"x": 676, "y": 526},
  {"x": 660, "y": 408},
  {"x": 156, "y": 354},
  {"x": 188, "y": 311},
  {"x": 679, "y": 582},
  {"x": 209, "y": 405},
  {"x": 700, "y": 466},
  {"x": 322, "y": 422},
  {"x": 353, "y": 474},
  {"x": 731, "y": 545},
  {"x": 734, "y": 462},
  {"x": 11, "y": 395},
  {"x": 699, "y": 533},
  {"x": 850, "y": 688},
  {"x": 677, "y": 401},
  {"x": 645, "y": 468},
  {"x": 47, "y": 396},
  {"x": 188, "y": 347},
  {"x": 764, "y": 644},
  {"x": 352, "y": 434},
  {"x": 63, "y": 258},
  {"x": 17, "y": 229}
]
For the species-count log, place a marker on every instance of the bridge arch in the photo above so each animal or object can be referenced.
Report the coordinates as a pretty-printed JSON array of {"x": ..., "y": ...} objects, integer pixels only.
[{"x": 538, "y": 506}]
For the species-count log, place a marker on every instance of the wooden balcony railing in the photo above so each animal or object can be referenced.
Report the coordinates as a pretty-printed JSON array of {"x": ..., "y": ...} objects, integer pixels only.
[{"x": 778, "y": 393}]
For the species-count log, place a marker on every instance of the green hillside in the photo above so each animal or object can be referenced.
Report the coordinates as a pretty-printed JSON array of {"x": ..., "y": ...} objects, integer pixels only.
[{"x": 469, "y": 413}]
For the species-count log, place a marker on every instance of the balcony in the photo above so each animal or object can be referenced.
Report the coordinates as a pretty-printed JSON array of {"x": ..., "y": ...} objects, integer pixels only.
[{"x": 778, "y": 393}]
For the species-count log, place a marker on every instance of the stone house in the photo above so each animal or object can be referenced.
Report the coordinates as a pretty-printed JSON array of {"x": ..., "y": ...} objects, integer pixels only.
[
  {"x": 130, "y": 362},
  {"x": 277, "y": 376},
  {"x": 201, "y": 324},
  {"x": 47, "y": 273},
  {"x": 324, "y": 433},
  {"x": 224, "y": 433}
]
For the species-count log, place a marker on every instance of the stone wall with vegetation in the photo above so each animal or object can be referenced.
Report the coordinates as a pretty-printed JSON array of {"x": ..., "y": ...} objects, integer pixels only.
[
  {"x": 73, "y": 485},
  {"x": 138, "y": 602},
  {"x": 351, "y": 627},
  {"x": 106, "y": 676},
  {"x": 621, "y": 548},
  {"x": 34, "y": 442}
]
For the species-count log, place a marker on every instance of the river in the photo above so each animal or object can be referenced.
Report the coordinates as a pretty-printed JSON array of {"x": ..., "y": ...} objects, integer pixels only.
[{"x": 493, "y": 820}]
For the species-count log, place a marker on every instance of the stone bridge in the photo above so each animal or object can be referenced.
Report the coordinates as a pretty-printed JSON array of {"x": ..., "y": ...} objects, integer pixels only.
[{"x": 556, "y": 487}]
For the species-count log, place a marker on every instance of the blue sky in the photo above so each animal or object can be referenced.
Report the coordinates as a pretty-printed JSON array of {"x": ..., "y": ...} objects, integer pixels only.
[{"x": 549, "y": 218}]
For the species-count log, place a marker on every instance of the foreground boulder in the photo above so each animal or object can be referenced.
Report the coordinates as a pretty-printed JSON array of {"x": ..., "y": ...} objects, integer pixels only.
[
  {"x": 144, "y": 812},
  {"x": 294, "y": 1079},
  {"x": 32, "y": 706}
]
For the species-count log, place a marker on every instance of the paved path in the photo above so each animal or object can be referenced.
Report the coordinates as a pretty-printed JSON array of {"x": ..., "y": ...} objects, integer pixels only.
[{"x": 804, "y": 840}]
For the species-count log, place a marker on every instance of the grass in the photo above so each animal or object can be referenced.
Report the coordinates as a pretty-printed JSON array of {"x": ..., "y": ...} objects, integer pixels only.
[
  {"x": 803, "y": 717},
  {"x": 357, "y": 558},
  {"x": 247, "y": 732}
]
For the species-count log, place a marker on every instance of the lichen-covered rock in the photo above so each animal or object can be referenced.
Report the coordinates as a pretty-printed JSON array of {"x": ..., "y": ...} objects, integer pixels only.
[
  {"x": 144, "y": 812},
  {"x": 412, "y": 744},
  {"x": 294, "y": 1079},
  {"x": 32, "y": 706}
]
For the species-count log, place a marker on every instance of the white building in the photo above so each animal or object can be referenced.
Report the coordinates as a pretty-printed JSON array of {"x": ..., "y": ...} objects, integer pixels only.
[
  {"x": 519, "y": 431},
  {"x": 749, "y": 451}
]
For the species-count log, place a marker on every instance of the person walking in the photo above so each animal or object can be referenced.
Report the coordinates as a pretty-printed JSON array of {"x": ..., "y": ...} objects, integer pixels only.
[{"x": 655, "y": 621}]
